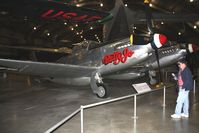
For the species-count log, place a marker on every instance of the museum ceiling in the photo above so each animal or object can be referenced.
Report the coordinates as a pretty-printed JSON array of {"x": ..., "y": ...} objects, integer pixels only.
[{"x": 21, "y": 23}]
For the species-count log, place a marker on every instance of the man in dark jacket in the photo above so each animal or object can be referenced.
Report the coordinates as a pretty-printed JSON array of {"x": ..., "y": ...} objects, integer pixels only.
[{"x": 185, "y": 83}]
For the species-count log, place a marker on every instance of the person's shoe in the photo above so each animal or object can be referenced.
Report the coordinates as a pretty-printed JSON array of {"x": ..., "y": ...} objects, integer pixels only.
[
  {"x": 176, "y": 116},
  {"x": 184, "y": 115}
]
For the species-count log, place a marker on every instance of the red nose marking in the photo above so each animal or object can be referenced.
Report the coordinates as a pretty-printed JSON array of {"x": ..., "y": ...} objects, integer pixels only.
[{"x": 163, "y": 39}]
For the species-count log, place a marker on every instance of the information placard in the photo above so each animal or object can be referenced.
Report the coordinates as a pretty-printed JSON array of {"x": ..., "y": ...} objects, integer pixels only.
[{"x": 141, "y": 87}]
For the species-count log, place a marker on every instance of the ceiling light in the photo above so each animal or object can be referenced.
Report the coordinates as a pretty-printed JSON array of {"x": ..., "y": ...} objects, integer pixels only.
[
  {"x": 81, "y": 32},
  {"x": 34, "y": 28},
  {"x": 78, "y": 5},
  {"x": 150, "y": 5},
  {"x": 65, "y": 23},
  {"x": 126, "y": 5},
  {"x": 25, "y": 18},
  {"x": 48, "y": 34},
  {"x": 101, "y": 4},
  {"x": 162, "y": 22},
  {"x": 195, "y": 27},
  {"x": 191, "y": 0},
  {"x": 179, "y": 33},
  {"x": 3, "y": 12}
]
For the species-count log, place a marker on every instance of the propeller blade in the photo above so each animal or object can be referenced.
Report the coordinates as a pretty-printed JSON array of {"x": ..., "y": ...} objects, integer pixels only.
[
  {"x": 159, "y": 70},
  {"x": 158, "y": 39},
  {"x": 148, "y": 16}
]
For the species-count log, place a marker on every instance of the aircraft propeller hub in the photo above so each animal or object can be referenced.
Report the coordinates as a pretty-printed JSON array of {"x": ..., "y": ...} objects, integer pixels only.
[{"x": 159, "y": 40}]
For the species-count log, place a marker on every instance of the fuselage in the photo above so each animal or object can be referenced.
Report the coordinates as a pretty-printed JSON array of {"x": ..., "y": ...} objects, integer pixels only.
[
  {"x": 120, "y": 60},
  {"x": 113, "y": 61}
]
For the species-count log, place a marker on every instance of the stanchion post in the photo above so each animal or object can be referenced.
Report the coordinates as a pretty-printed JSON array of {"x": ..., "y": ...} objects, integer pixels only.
[
  {"x": 164, "y": 96},
  {"x": 194, "y": 86},
  {"x": 82, "y": 119},
  {"x": 135, "y": 107}
]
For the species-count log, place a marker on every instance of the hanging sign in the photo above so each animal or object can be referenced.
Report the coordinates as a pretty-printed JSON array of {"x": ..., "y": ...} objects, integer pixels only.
[{"x": 73, "y": 16}]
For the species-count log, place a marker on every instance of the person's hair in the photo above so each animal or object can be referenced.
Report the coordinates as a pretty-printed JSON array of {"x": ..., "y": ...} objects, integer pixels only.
[{"x": 182, "y": 61}]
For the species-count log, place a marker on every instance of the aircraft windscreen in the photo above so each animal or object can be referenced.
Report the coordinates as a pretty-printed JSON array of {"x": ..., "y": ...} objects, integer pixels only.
[{"x": 86, "y": 45}]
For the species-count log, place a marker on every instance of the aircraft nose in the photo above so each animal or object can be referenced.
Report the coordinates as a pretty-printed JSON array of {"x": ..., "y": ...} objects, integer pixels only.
[
  {"x": 159, "y": 40},
  {"x": 193, "y": 48}
]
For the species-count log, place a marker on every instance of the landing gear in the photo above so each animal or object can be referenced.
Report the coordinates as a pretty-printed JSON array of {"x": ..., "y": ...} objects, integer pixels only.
[
  {"x": 102, "y": 91},
  {"x": 152, "y": 76},
  {"x": 98, "y": 86}
]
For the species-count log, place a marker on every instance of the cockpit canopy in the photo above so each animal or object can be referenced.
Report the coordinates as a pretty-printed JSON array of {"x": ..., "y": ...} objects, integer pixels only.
[{"x": 87, "y": 45}]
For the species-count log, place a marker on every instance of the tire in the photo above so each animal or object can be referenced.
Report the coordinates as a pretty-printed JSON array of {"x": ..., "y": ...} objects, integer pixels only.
[{"x": 102, "y": 91}]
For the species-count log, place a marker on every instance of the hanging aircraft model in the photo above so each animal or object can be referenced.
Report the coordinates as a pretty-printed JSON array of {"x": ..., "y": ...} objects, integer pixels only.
[{"x": 90, "y": 63}]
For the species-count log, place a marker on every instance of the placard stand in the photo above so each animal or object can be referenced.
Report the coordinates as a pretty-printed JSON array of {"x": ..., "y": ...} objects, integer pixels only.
[{"x": 141, "y": 87}]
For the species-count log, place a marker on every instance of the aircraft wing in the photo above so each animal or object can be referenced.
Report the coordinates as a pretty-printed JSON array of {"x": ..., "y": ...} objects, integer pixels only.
[{"x": 45, "y": 69}]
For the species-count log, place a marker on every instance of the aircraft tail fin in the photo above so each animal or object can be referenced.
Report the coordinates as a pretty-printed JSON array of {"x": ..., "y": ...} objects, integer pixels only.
[{"x": 119, "y": 20}]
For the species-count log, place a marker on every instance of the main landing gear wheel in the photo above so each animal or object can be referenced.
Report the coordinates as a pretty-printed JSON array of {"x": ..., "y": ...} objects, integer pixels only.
[{"x": 102, "y": 91}]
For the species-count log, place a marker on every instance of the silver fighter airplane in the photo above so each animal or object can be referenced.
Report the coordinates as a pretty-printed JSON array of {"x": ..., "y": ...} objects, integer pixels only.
[{"x": 90, "y": 63}]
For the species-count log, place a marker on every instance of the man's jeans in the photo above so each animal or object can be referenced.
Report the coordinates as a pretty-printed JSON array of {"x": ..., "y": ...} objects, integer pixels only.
[{"x": 182, "y": 101}]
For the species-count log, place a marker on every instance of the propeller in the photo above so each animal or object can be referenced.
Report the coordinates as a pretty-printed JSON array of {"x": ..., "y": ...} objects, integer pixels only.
[
  {"x": 152, "y": 34},
  {"x": 148, "y": 17}
]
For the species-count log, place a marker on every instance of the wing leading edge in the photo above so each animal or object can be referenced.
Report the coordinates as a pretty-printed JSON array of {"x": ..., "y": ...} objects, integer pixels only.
[{"x": 46, "y": 69}]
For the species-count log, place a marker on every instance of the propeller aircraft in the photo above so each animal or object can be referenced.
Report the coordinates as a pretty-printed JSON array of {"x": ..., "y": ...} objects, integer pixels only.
[{"x": 89, "y": 62}]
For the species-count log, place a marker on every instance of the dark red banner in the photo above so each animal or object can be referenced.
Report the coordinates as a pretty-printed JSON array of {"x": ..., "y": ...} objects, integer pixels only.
[
  {"x": 117, "y": 57},
  {"x": 48, "y": 10},
  {"x": 52, "y": 14}
]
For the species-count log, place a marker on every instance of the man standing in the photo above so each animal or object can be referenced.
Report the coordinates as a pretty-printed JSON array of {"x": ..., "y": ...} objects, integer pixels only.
[{"x": 185, "y": 83}]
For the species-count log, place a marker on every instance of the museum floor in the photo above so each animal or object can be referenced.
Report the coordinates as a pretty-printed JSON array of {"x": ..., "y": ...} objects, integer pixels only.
[{"x": 35, "y": 108}]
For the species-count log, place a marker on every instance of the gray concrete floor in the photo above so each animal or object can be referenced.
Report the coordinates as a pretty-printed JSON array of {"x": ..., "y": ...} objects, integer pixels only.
[{"x": 36, "y": 108}]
